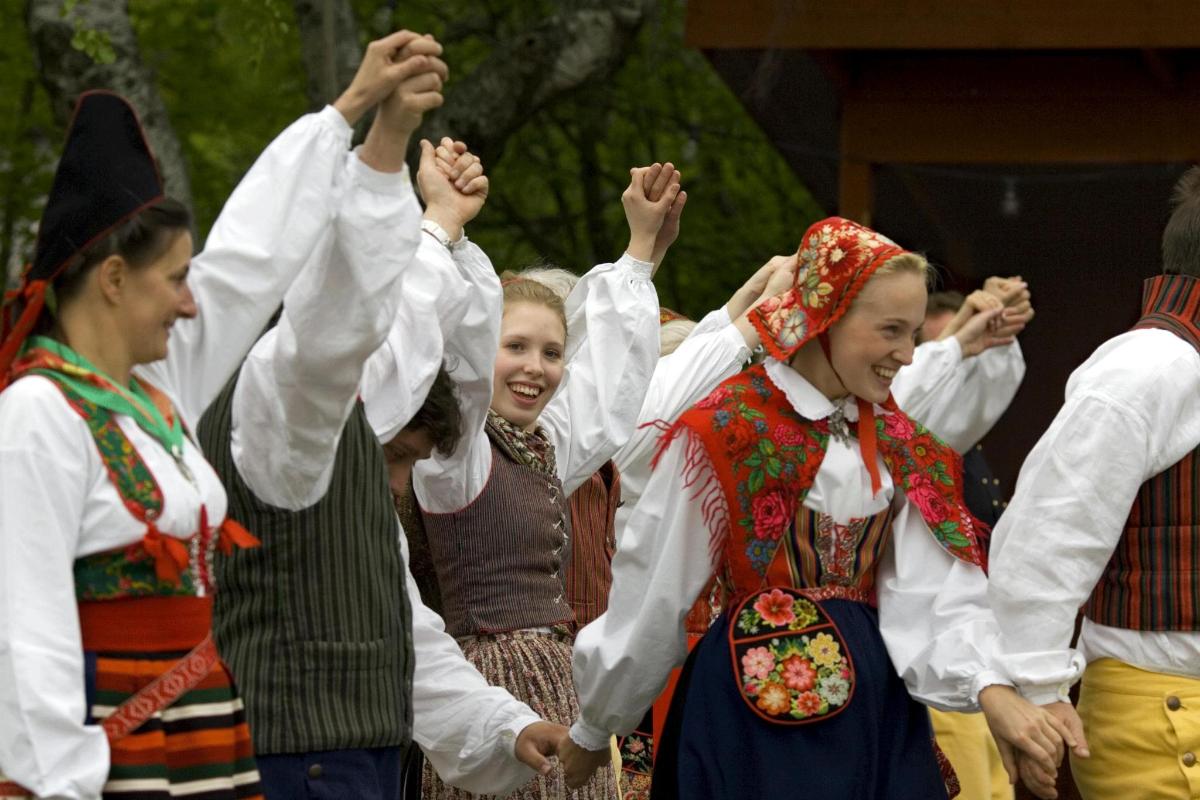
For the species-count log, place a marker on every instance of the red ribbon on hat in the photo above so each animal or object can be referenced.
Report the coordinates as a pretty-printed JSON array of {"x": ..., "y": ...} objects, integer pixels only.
[{"x": 34, "y": 295}]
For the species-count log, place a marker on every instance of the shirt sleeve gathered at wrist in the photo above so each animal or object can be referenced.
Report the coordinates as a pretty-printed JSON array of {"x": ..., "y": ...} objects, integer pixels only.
[{"x": 612, "y": 347}]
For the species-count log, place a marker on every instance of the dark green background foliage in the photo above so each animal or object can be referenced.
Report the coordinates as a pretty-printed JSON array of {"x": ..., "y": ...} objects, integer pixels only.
[{"x": 231, "y": 76}]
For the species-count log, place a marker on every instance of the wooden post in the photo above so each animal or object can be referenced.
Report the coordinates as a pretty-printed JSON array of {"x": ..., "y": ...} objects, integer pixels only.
[{"x": 856, "y": 190}]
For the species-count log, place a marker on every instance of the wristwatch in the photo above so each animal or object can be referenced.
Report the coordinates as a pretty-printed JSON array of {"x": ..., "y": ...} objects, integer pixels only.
[{"x": 438, "y": 233}]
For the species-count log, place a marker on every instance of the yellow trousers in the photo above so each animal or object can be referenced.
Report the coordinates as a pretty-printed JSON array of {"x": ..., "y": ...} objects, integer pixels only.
[
  {"x": 967, "y": 742},
  {"x": 1143, "y": 731}
]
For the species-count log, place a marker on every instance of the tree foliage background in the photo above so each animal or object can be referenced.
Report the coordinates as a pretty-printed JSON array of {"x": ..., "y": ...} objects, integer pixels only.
[{"x": 561, "y": 98}]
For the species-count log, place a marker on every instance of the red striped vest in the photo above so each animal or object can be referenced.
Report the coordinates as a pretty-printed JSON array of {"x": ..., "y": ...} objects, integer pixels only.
[{"x": 1152, "y": 581}]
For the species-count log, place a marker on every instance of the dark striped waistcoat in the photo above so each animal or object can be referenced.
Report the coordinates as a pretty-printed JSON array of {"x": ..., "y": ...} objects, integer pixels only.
[
  {"x": 500, "y": 560},
  {"x": 1152, "y": 581},
  {"x": 315, "y": 625}
]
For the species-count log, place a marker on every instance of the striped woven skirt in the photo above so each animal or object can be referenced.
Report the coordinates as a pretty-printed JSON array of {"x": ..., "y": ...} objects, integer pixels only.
[
  {"x": 199, "y": 746},
  {"x": 536, "y": 669}
]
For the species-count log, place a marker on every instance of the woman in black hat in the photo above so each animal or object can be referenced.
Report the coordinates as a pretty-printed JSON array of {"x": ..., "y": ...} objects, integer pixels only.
[{"x": 109, "y": 514}]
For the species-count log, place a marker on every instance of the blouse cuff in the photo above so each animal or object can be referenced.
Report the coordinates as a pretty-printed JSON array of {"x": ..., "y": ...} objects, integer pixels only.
[
  {"x": 512, "y": 730},
  {"x": 1045, "y": 677},
  {"x": 389, "y": 183},
  {"x": 332, "y": 117},
  {"x": 985, "y": 679},
  {"x": 589, "y": 737},
  {"x": 639, "y": 268}
]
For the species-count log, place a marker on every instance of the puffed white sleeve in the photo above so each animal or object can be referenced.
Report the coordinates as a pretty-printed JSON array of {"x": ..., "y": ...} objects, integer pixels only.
[
  {"x": 933, "y": 614},
  {"x": 612, "y": 346},
  {"x": 679, "y": 381},
  {"x": 714, "y": 320},
  {"x": 934, "y": 372},
  {"x": 959, "y": 399},
  {"x": 276, "y": 217},
  {"x": 466, "y": 727},
  {"x": 622, "y": 660},
  {"x": 447, "y": 483},
  {"x": 1058, "y": 533},
  {"x": 301, "y": 380},
  {"x": 46, "y": 456}
]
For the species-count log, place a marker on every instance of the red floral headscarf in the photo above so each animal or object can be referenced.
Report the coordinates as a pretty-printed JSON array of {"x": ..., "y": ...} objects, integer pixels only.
[{"x": 836, "y": 258}]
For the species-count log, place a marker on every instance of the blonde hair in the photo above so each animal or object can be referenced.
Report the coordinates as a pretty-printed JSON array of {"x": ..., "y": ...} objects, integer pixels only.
[
  {"x": 556, "y": 279},
  {"x": 908, "y": 262},
  {"x": 519, "y": 289},
  {"x": 672, "y": 334}
]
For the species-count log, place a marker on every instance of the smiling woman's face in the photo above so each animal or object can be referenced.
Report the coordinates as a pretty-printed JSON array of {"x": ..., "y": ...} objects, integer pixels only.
[
  {"x": 529, "y": 364},
  {"x": 878, "y": 333}
]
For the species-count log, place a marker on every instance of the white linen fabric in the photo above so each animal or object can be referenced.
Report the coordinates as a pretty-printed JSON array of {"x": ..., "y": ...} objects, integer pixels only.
[
  {"x": 933, "y": 613},
  {"x": 959, "y": 399},
  {"x": 680, "y": 380},
  {"x": 612, "y": 319},
  {"x": 57, "y": 502},
  {"x": 1132, "y": 410}
]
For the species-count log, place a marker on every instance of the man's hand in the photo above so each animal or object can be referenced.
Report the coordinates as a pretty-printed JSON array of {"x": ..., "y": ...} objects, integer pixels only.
[
  {"x": 645, "y": 216},
  {"x": 537, "y": 743},
  {"x": 580, "y": 764},
  {"x": 1023, "y": 730},
  {"x": 445, "y": 203},
  {"x": 379, "y": 73},
  {"x": 403, "y": 109}
]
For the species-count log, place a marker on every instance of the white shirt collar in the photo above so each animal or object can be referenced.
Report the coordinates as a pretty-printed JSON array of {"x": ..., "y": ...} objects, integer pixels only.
[{"x": 807, "y": 399}]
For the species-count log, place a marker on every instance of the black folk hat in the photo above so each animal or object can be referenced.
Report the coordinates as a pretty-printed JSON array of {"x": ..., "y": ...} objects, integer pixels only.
[{"x": 105, "y": 177}]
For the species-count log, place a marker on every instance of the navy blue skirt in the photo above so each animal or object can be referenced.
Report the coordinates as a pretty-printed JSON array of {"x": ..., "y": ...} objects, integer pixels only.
[{"x": 879, "y": 748}]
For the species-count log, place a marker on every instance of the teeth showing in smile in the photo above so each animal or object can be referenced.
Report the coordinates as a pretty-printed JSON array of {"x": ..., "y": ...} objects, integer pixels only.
[
  {"x": 884, "y": 372},
  {"x": 525, "y": 390}
]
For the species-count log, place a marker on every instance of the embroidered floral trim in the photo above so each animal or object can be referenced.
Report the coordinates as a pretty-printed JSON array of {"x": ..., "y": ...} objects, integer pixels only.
[
  {"x": 929, "y": 472},
  {"x": 637, "y": 753},
  {"x": 791, "y": 662},
  {"x": 531, "y": 448},
  {"x": 751, "y": 460}
]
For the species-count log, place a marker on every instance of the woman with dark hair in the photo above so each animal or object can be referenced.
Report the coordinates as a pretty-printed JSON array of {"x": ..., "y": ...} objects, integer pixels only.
[{"x": 109, "y": 681}]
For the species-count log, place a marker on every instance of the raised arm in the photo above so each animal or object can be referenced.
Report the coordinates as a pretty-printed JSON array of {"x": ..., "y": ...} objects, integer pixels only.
[
  {"x": 622, "y": 660},
  {"x": 275, "y": 219},
  {"x": 612, "y": 338},
  {"x": 464, "y": 332},
  {"x": 300, "y": 382}
]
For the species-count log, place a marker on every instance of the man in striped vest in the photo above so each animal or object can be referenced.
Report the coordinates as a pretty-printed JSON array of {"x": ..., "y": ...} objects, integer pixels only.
[
  {"x": 342, "y": 666},
  {"x": 1105, "y": 516}
]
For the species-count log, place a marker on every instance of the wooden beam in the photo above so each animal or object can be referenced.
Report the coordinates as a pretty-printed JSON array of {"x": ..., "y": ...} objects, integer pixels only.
[
  {"x": 943, "y": 24},
  {"x": 856, "y": 190},
  {"x": 1048, "y": 131}
]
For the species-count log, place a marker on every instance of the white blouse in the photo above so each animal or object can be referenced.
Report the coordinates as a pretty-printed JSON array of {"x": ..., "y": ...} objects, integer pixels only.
[
  {"x": 959, "y": 399},
  {"x": 612, "y": 345},
  {"x": 680, "y": 380},
  {"x": 933, "y": 613},
  {"x": 1132, "y": 410},
  {"x": 56, "y": 500}
]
